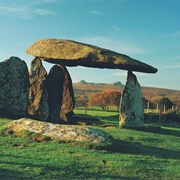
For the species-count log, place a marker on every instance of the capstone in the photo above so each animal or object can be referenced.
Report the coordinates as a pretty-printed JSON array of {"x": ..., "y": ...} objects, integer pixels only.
[{"x": 72, "y": 53}]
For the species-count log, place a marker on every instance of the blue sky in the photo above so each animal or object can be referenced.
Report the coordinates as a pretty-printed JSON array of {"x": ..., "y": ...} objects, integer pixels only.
[{"x": 147, "y": 30}]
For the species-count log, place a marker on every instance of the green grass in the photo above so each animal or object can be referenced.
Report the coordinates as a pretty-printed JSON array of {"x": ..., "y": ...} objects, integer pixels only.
[
  {"x": 105, "y": 118},
  {"x": 133, "y": 155}
]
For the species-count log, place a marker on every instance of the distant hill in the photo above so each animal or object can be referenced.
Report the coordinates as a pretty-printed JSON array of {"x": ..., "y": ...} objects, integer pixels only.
[
  {"x": 82, "y": 82},
  {"x": 152, "y": 94},
  {"x": 118, "y": 83}
]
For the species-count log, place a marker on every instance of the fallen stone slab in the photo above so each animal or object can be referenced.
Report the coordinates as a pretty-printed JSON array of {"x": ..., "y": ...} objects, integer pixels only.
[
  {"x": 72, "y": 53},
  {"x": 61, "y": 132}
]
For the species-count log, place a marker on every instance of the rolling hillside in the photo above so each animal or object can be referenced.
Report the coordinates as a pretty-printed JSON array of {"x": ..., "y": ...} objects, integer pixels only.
[{"x": 152, "y": 94}]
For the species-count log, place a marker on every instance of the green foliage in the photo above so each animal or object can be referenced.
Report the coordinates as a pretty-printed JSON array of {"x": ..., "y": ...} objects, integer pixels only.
[
  {"x": 165, "y": 101},
  {"x": 168, "y": 119}
]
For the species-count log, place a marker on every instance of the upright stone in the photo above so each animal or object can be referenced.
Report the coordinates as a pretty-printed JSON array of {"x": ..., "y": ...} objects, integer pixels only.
[
  {"x": 131, "y": 105},
  {"x": 68, "y": 100},
  {"x": 38, "y": 97},
  {"x": 14, "y": 88},
  {"x": 60, "y": 95}
]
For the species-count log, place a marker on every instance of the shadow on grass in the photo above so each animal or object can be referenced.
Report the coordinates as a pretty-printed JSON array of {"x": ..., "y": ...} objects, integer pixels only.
[
  {"x": 111, "y": 117},
  {"x": 127, "y": 147},
  {"x": 8, "y": 115},
  {"x": 74, "y": 170},
  {"x": 8, "y": 174},
  {"x": 160, "y": 130}
]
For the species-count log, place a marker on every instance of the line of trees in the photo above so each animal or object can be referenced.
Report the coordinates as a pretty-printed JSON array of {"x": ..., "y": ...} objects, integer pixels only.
[
  {"x": 162, "y": 105},
  {"x": 112, "y": 98},
  {"x": 101, "y": 99}
]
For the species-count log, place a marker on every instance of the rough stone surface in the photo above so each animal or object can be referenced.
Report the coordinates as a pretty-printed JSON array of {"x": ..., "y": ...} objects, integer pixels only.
[
  {"x": 14, "y": 87},
  {"x": 61, "y": 95},
  {"x": 68, "y": 100},
  {"x": 61, "y": 132},
  {"x": 71, "y": 53},
  {"x": 38, "y": 97},
  {"x": 131, "y": 105}
]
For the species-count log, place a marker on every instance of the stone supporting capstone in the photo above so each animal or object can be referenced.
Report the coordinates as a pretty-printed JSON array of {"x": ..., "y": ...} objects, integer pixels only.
[
  {"x": 60, "y": 95},
  {"x": 38, "y": 97},
  {"x": 131, "y": 105}
]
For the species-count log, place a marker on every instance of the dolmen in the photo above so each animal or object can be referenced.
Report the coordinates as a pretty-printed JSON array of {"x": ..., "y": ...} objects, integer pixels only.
[
  {"x": 71, "y": 53},
  {"x": 51, "y": 95}
]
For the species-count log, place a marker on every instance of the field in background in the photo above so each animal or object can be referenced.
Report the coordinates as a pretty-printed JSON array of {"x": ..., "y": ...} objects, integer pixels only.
[
  {"x": 133, "y": 155},
  {"x": 150, "y": 93}
]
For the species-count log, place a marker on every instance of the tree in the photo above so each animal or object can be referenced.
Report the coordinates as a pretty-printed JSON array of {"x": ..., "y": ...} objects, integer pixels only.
[
  {"x": 165, "y": 102},
  {"x": 105, "y": 99},
  {"x": 97, "y": 99},
  {"x": 145, "y": 102},
  {"x": 114, "y": 98},
  {"x": 81, "y": 101}
]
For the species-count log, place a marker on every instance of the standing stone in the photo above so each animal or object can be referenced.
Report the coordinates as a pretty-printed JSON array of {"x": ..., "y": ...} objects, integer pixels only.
[
  {"x": 38, "y": 97},
  {"x": 131, "y": 105},
  {"x": 14, "y": 88},
  {"x": 60, "y": 95},
  {"x": 68, "y": 100},
  {"x": 55, "y": 95}
]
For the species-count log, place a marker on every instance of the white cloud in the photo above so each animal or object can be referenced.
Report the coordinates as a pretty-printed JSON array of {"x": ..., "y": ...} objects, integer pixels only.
[
  {"x": 116, "y": 28},
  {"x": 114, "y": 45},
  {"x": 175, "y": 34},
  {"x": 177, "y": 57},
  {"x": 24, "y": 10},
  {"x": 120, "y": 74},
  {"x": 125, "y": 74},
  {"x": 43, "y": 12},
  {"x": 172, "y": 66},
  {"x": 141, "y": 74},
  {"x": 96, "y": 12},
  {"x": 48, "y": 1}
]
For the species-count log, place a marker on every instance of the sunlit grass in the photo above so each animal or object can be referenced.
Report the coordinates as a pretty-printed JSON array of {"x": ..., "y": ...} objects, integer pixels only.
[
  {"x": 95, "y": 113},
  {"x": 133, "y": 155}
]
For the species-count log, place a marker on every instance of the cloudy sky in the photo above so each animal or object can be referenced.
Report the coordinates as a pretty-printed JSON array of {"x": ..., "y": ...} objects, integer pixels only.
[{"x": 147, "y": 30}]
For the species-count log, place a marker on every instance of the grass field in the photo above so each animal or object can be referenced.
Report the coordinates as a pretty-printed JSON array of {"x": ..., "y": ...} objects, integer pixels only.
[{"x": 133, "y": 155}]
